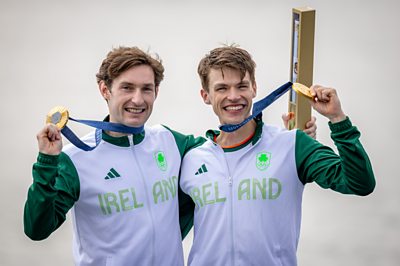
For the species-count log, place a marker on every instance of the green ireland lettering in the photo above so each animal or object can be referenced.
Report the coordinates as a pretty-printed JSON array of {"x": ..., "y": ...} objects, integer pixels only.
[
  {"x": 158, "y": 192},
  {"x": 124, "y": 200},
  {"x": 271, "y": 182},
  {"x": 163, "y": 188},
  {"x": 167, "y": 186},
  {"x": 135, "y": 202},
  {"x": 259, "y": 187},
  {"x": 111, "y": 200},
  {"x": 262, "y": 187},
  {"x": 244, "y": 189},
  {"x": 217, "y": 198},
  {"x": 102, "y": 204},
  {"x": 174, "y": 181},
  {"x": 195, "y": 194},
  {"x": 206, "y": 193}
]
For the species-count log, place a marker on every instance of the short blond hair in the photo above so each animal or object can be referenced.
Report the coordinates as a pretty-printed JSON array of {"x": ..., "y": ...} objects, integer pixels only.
[{"x": 228, "y": 56}]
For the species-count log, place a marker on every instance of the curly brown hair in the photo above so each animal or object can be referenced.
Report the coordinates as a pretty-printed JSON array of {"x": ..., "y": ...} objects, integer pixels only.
[
  {"x": 122, "y": 58},
  {"x": 227, "y": 56}
]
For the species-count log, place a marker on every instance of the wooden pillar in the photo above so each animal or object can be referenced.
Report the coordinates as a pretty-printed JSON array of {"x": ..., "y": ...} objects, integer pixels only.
[{"x": 302, "y": 62}]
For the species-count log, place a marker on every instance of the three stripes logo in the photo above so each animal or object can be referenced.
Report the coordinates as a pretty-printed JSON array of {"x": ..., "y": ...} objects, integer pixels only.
[
  {"x": 112, "y": 174},
  {"x": 202, "y": 169}
]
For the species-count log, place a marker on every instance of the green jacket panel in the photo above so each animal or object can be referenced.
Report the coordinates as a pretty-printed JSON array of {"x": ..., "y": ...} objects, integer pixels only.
[
  {"x": 54, "y": 190},
  {"x": 351, "y": 173}
]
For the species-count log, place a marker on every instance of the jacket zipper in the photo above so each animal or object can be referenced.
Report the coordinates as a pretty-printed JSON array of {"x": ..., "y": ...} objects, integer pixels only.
[
  {"x": 147, "y": 200},
  {"x": 230, "y": 184}
]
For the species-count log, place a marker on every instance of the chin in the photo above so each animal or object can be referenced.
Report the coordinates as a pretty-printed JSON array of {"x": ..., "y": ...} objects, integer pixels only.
[
  {"x": 234, "y": 121},
  {"x": 134, "y": 124}
]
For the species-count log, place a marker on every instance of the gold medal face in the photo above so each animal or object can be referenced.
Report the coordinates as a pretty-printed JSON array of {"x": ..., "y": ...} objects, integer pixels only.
[
  {"x": 58, "y": 116},
  {"x": 301, "y": 89}
]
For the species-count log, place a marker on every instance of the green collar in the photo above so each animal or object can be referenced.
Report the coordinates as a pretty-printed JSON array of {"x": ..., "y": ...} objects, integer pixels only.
[
  {"x": 213, "y": 134},
  {"x": 124, "y": 140}
]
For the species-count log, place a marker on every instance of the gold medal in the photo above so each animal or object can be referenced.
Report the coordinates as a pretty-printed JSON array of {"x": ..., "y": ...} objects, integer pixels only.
[
  {"x": 58, "y": 116},
  {"x": 302, "y": 89}
]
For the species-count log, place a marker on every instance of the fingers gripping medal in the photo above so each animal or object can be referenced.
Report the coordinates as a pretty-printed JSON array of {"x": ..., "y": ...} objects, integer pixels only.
[
  {"x": 303, "y": 90},
  {"x": 58, "y": 116}
]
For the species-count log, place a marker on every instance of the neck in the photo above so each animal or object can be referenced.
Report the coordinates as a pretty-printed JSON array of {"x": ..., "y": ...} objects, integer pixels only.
[
  {"x": 116, "y": 134},
  {"x": 113, "y": 133},
  {"x": 233, "y": 138}
]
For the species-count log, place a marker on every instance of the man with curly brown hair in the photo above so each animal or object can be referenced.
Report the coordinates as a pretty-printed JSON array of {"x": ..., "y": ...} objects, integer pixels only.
[{"x": 124, "y": 193}]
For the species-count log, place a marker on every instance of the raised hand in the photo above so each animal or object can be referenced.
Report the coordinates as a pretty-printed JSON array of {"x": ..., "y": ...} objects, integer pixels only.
[
  {"x": 326, "y": 102},
  {"x": 49, "y": 140},
  {"x": 311, "y": 126}
]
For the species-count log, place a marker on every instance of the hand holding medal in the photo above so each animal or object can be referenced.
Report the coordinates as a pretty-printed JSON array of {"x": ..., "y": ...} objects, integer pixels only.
[{"x": 49, "y": 138}]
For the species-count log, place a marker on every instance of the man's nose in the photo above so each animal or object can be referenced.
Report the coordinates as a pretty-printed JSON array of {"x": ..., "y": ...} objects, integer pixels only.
[
  {"x": 233, "y": 94},
  {"x": 137, "y": 97}
]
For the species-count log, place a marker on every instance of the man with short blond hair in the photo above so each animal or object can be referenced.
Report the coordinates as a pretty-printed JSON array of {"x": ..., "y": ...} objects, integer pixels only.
[{"x": 247, "y": 185}]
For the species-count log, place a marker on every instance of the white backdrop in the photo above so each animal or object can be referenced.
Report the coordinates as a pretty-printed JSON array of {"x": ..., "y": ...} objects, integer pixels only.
[{"x": 51, "y": 51}]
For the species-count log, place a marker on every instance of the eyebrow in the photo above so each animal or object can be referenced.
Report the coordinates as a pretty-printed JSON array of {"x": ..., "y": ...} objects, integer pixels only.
[
  {"x": 220, "y": 84},
  {"x": 132, "y": 84},
  {"x": 244, "y": 82}
]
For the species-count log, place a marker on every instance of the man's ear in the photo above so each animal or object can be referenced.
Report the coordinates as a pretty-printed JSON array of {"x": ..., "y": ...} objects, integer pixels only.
[
  {"x": 254, "y": 89},
  {"x": 105, "y": 92},
  {"x": 156, "y": 93},
  {"x": 205, "y": 95}
]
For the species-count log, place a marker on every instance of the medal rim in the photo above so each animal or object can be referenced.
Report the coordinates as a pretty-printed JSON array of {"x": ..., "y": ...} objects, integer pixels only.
[
  {"x": 64, "y": 116},
  {"x": 302, "y": 89}
]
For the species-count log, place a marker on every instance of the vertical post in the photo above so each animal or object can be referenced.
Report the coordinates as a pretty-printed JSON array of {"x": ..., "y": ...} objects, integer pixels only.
[{"x": 302, "y": 62}]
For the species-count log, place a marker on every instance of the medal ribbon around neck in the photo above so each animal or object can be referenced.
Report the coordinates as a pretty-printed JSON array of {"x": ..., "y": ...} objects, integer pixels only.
[
  {"x": 259, "y": 106},
  {"x": 59, "y": 116}
]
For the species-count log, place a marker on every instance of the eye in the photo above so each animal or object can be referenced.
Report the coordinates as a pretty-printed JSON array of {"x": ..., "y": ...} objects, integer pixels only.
[
  {"x": 148, "y": 89},
  {"x": 220, "y": 89}
]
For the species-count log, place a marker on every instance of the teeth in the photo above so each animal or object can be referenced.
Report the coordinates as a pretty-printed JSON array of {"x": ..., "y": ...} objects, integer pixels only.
[
  {"x": 134, "y": 110},
  {"x": 234, "y": 108}
]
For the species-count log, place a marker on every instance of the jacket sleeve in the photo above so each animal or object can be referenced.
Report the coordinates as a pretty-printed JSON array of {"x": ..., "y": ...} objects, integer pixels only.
[
  {"x": 54, "y": 190},
  {"x": 350, "y": 172},
  {"x": 186, "y": 205},
  {"x": 186, "y": 212}
]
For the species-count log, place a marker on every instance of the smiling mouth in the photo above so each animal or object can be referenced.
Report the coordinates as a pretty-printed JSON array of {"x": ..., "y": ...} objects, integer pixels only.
[
  {"x": 234, "y": 107},
  {"x": 135, "y": 110}
]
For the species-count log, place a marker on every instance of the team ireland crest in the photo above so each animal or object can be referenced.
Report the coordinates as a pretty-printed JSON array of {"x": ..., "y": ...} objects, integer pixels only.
[
  {"x": 161, "y": 160},
  {"x": 263, "y": 160}
]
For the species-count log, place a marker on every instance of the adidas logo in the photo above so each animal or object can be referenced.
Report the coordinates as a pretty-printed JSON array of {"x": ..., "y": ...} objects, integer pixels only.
[
  {"x": 202, "y": 169},
  {"x": 112, "y": 174}
]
